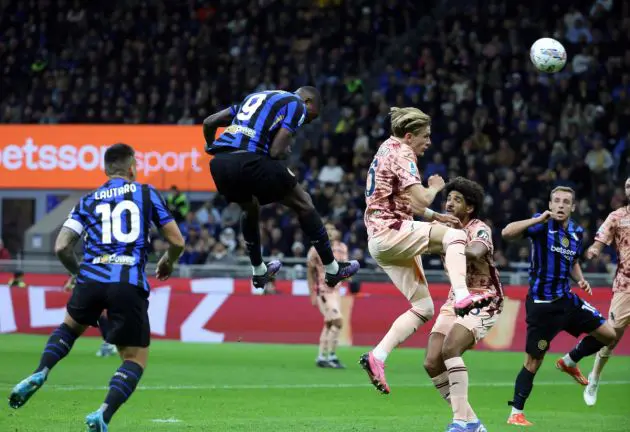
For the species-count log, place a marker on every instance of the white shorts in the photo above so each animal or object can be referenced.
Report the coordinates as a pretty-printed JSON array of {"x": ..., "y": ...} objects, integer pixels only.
[
  {"x": 399, "y": 252},
  {"x": 478, "y": 323}
]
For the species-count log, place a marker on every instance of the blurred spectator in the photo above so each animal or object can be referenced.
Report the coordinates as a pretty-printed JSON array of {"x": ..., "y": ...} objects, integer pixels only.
[{"x": 177, "y": 203}]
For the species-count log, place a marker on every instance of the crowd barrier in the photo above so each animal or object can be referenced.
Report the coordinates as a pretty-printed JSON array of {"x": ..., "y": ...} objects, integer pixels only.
[{"x": 230, "y": 310}]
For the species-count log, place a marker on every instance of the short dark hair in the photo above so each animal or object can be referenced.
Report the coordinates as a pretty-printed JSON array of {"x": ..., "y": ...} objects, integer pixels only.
[
  {"x": 118, "y": 158},
  {"x": 310, "y": 92},
  {"x": 472, "y": 192}
]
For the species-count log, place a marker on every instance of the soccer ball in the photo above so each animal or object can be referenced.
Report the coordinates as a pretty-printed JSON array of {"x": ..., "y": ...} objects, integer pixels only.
[{"x": 548, "y": 55}]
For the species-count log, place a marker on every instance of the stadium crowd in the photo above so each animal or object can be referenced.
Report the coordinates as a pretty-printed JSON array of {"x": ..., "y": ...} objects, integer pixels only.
[{"x": 495, "y": 120}]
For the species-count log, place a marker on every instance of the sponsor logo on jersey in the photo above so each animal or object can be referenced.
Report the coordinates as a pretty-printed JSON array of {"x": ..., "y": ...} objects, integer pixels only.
[
  {"x": 235, "y": 129},
  {"x": 115, "y": 259}
]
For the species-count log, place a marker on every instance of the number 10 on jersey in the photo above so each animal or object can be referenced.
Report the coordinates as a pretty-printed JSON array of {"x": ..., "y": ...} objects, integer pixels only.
[{"x": 111, "y": 222}]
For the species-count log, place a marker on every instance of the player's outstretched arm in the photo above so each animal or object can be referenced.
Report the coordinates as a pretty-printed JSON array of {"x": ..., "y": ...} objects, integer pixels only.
[
  {"x": 215, "y": 121},
  {"x": 64, "y": 249},
  {"x": 515, "y": 230},
  {"x": 595, "y": 249}
]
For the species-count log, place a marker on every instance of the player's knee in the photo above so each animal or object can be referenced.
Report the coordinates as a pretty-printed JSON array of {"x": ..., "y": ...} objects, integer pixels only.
[
  {"x": 606, "y": 351},
  {"x": 606, "y": 334},
  {"x": 433, "y": 364},
  {"x": 532, "y": 364},
  {"x": 453, "y": 236},
  {"x": 423, "y": 308},
  {"x": 451, "y": 349},
  {"x": 337, "y": 322},
  {"x": 134, "y": 354}
]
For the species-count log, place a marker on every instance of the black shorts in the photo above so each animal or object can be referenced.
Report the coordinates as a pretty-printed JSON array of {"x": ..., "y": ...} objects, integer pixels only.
[
  {"x": 545, "y": 320},
  {"x": 241, "y": 176},
  {"x": 127, "y": 311}
]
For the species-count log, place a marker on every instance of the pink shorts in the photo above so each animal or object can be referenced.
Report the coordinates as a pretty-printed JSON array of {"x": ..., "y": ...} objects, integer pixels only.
[
  {"x": 619, "y": 314},
  {"x": 399, "y": 252},
  {"x": 329, "y": 305},
  {"x": 478, "y": 323}
]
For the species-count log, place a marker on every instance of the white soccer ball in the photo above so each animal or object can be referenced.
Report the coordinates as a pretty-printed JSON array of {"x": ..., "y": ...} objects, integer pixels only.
[{"x": 548, "y": 55}]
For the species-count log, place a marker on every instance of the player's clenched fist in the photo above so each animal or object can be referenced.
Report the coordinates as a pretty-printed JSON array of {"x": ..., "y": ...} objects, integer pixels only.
[
  {"x": 436, "y": 182},
  {"x": 592, "y": 252}
]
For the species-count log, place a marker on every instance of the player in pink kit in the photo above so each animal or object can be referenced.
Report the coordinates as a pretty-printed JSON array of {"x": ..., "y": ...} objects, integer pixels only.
[
  {"x": 394, "y": 194},
  {"x": 453, "y": 335},
  {"x": 327, "y": 299},
  {"x": 616, "y": 228}
]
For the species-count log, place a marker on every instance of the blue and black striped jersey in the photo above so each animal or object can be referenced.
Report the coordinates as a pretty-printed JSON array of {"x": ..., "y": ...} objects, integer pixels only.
[
  {"x": 115, "y": 220},
  {"x": 258, "y": 118},
  {"x": 555, "y": 250}
]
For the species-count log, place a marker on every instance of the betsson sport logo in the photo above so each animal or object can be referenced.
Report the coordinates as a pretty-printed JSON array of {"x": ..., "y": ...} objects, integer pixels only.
[{"x": 35, "y": 157}]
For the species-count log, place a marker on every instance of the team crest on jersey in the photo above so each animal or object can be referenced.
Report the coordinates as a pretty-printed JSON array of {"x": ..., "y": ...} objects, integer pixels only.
[
  {"x": 542, "y": 344},
  {"x": 565, "y": 242},
  {"x": 483, "y": 234},
  {"x": 413, "y": 169}
]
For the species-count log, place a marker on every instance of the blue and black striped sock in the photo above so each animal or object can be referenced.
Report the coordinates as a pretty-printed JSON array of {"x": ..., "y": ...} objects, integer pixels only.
[
  {"x": 58, "y": 346},
  {"x": 121, "y": 386}
]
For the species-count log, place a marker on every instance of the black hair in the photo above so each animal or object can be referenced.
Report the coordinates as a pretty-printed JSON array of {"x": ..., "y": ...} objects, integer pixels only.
[
  {"x": 310, "y": 92},
  {"x": 118, "y": 158},
  {"x": 472, "y": 192}
]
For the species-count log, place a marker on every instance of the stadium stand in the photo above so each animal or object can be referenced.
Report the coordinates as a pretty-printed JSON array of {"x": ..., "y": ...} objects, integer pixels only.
[{"x": 495, "y": 120}]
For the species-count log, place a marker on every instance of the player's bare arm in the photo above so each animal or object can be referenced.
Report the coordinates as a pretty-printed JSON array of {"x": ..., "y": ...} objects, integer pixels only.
[
  {"x": 176, "y": 241},
  {"x": 64, "y": 249},
  {"x": 476, "y": 250},
  {"x": 281, "y": 145},
  {"x": 515, "y": 230},
  {"x": 215, "y": 121},
  {"x": 578, "y": 276},
  {"x": 421, "y": 197},
  {"x": 595, "y": 249}
]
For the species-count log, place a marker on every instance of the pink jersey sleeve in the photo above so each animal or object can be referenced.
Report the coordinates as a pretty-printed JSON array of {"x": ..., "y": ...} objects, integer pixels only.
[
  {"x": 480, "y": 232},
  {"x": 606, "y": 232}
]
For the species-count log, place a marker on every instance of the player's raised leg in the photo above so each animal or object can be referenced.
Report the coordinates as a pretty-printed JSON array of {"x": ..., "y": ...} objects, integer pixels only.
[
  {"x": 57, "y": 348},
  {"x": 452, "y": 243},
  {"x": 250, "y": 217},
  {"x": 590, "y": 392},
  {"x": 410, "y": 280}
]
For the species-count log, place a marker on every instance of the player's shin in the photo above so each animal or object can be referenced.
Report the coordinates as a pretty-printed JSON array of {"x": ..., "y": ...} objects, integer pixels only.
[
  {"x": 404, "y": 326},
  {"x": 121, "y": 386},
  {"x": 58, "y": 346},
  {"x": 311, "y": 224},
  {"x": 586, "y": 347},
  {"x": 251, "y": 235},
  {"x": 600, "y": 361},
  {"x": 323, "y": 343},
  {"x": 333, "y": 340},
  {"x": 522, "y": 389},
  {"x": 458, "y": 382}
]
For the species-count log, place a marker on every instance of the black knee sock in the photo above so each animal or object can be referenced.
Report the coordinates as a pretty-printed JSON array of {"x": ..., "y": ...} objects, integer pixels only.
[
  {"x": 103, "y": 326},
  {"x": 522, "y": 388},
  {"x": 251, "y": 234},
  {"x": 58, "y": 346},
  {"x": 121, "y": 386},
  {"x": 313, "y": 227},
  {"x": 586, "y": 347}
]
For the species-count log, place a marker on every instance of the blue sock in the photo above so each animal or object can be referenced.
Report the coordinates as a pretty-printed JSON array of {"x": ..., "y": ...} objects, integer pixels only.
[
  {"x": 121, "y": 386},
  {"x": 103, "y": 326},
  {"x": 58, "y": 346}
]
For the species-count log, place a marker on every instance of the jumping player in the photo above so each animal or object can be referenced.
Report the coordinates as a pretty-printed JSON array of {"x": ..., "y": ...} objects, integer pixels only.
[
  {"x": 114, "y": 221},
  {"x": 616, "y": 228},
  {"x": 394, "y": 193},
  {"x": 246, "y": 170},
  {"x": 453, "y": 335},
  {"x": 551, "y": 306},
  {"x": 328, "y": 300}
]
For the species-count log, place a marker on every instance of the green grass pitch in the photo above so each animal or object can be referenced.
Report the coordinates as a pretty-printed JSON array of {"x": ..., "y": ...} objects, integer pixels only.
[{"x": 243, "y": 387}]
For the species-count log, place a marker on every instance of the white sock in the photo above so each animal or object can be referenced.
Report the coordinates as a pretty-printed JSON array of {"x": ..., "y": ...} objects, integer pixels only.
[
  {"x": 460, "y": 292},
  {"x": 516, "y": 411},
  {"x": 380, "y": 354},
  {"x": 260, "y": 270},
  {"x": 460, "y": 422},
  {"x": 321, "y": 358},
  {"x": 332, "y": 356},
  {"x": 332, "y": 268},
  {"x": 568, "y": 360}
]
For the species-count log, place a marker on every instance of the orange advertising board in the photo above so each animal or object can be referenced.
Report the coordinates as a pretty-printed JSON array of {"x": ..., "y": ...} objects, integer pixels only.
[{"x": 71, "y": 156}]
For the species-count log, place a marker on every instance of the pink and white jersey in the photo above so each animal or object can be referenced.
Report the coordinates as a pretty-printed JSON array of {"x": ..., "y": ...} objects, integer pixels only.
[
  {"x": 616, "y": 228},
  {"x": 313, "y": 261},
  {"x": 393, "y": 170}
]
